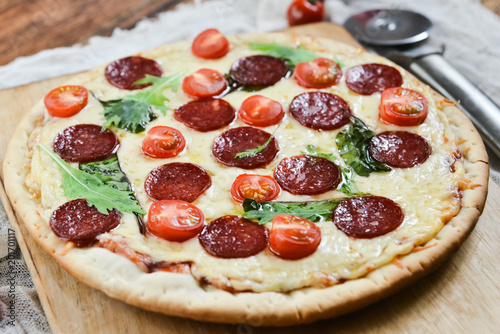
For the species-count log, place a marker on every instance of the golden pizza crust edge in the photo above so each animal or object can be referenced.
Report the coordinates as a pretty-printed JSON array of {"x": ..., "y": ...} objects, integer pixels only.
[{"x": 98, "y": 267}]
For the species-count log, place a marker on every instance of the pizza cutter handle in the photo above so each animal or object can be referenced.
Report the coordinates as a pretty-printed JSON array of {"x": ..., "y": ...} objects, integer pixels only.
[{"x": 484, "y": 113}]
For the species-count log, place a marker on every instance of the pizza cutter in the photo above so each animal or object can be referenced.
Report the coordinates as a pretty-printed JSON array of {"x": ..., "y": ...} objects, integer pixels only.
[{"x": 403, "y": 37}]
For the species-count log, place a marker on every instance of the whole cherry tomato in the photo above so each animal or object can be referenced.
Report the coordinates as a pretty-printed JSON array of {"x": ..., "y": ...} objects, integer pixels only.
[{"x": 305, "y": 11}]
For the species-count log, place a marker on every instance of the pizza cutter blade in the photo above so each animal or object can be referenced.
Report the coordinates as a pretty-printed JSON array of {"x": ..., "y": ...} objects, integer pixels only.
[{"x": 403, "y": 37}]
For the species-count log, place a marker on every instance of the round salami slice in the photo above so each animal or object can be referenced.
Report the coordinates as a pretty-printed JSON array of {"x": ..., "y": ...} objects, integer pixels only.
[
  {"x": 320, "y": 110},
  {"x": 399, "y": 149},
  {"x": 177, "y": 181},
  {"x": 122, "y": 73},
  {"x": 259, "y": 71},
  {"x": 233, "y": 237},
  {"x": 206, "y": 114},
  {"x": 238, "y": 140},
  {"x": 85, "y": 143},
  {"x": 80, "y": 223},
  {"x": 367, "y": 216},
  {"x": 307, "y": 175},
  {"x": 371, "y": 78}
]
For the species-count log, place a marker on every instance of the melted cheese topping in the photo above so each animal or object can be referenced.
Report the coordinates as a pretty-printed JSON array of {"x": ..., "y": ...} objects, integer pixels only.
[{"x": 428, "y": 193}]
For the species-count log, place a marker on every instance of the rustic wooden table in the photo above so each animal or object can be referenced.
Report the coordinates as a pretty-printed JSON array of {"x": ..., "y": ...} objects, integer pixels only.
[{"x": 27, "y": 27}]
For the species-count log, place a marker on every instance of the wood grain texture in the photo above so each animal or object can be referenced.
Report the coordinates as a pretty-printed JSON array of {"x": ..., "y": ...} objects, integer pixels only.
[
  {"x": 463, "y": 296},
  {"x": 27, "y": 27}
]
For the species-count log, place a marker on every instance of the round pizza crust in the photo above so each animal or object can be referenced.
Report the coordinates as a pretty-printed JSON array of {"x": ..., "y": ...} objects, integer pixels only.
[{"x": 181, "y": 295}]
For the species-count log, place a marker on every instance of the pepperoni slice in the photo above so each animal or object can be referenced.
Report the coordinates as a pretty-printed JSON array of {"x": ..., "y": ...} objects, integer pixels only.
[
  {"x": 233, "y": 237},
  {"x": 307, "y": 175},
  {"x": 80, "y": 223},
  {"x": 85, "y": 143},
  {"x": 368, "y": 216},
  {"x": 259, "y": 71},
  {"x": 206, "y": 114},
  {"x": 320, "y": 110},
  {"x": 371, "y": 78},
  {"x": 122, "y": 73},
  {"x": 237, "y": 140},
  {"x": 399, "y": 149},
  {"x": 177, "y": 181}
]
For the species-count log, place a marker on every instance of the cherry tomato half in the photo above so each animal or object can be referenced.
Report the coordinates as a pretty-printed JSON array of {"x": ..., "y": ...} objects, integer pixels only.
[
  {"x": 210, "y": 44},
  {"x": 66, "y": 101},
  {"x": 174, "y": 220},
  {"x": 403, "y": 107},
  {"x": 204, "y": 83},
  {"x": 258, "y": 187},
  {"x": 293, "y": 237},
  {"x": 305, "y": 11},
  {"x": 319, "y": 73},
  {"x": 163, "y": 142},
  {"x": 259, "y": 110}
]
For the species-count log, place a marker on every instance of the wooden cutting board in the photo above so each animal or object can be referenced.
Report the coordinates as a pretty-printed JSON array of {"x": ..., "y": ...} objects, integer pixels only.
[{"x": 463, "y": 296}]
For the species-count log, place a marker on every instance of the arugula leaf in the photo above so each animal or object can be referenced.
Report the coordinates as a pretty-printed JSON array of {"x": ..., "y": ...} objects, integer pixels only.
[
  {"x": 293, "y": 56},
  {"x": 253, "y": 152},
  {"x": 79, "y": 184},
  {"x": 348, "y": 186},
  {"x": 265, "y": 211},
  {"x": 134, "y": 112},
  {"x": 353, "y": 145},
  {"x": 110, "y": 173}
]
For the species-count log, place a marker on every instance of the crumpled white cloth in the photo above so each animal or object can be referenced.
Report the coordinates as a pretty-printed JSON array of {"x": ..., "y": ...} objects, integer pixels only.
[{"x": 469, "y": 31}]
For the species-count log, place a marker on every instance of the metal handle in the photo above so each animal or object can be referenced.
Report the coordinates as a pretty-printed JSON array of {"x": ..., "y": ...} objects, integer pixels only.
[{"x": 484, "y": 113}]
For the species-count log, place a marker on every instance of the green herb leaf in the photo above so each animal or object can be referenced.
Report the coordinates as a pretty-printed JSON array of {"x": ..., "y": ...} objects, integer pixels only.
[
  {"x": 265, "y": 211},
  {"x": 353, "y": 145},
  {"x": 79, "y": 184},
  {"x": 134, "y": 112},
  {"x": 293, "y": 56},
  {"x": 110, "y": 173},
  {"x": 348, "y": 186},
  {"x": 254, "y": 151}
]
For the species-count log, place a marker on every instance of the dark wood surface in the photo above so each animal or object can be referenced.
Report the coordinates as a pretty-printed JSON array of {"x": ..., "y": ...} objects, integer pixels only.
[{"x": 29, "y": 26}]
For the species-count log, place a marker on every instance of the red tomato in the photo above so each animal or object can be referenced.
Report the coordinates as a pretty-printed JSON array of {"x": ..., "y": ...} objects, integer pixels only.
[
  {"x": 293, "y": 237},
  {"x": 174, "y": 220},
  {"x": 210, "y": 44},
  {"x": 319, "y": 73},
  {"x": 258, "y": 187},
  {"x": 259, "y": 110},
  {"x": 163, "y": 142},
  {"x": 66, "y": 101},
  {"x": 403, "y": 107},
  {"x": 204, "y": 83},
  {"x": 305, "y": 11}
]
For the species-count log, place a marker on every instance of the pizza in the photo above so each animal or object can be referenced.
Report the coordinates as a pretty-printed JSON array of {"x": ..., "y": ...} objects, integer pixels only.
[{"x": 269, "y": 179}]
